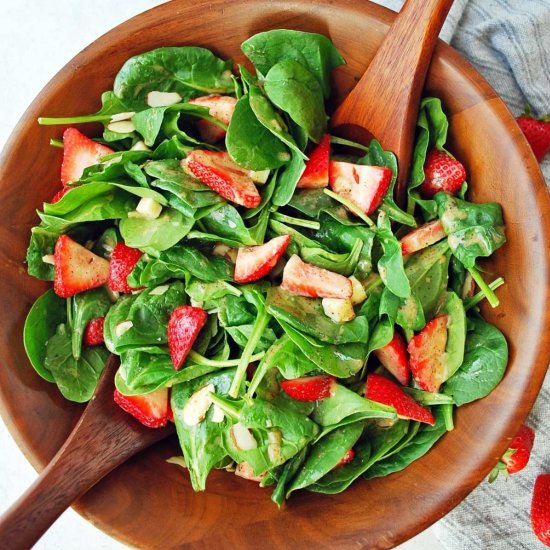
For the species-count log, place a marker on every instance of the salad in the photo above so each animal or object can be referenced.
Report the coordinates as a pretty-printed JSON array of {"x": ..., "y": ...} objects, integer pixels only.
[{"x": 254, "y": 274}]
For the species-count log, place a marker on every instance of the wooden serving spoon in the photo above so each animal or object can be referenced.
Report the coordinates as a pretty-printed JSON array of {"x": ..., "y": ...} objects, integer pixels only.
[
  {"x": 104, "y": 437},
  {"x": 384, "y": 103}
]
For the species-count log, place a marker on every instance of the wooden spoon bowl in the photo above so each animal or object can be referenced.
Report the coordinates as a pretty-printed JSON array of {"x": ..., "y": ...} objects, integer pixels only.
[{"x": 149, "y": 503}]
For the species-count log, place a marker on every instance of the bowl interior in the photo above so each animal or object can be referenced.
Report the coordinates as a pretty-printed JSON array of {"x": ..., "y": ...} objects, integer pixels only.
[{"x": 149, "y": 503}]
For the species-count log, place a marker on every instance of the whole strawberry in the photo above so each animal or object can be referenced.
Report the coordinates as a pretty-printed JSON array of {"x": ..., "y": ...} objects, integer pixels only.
[
  {"x": 537, "y": 132},
  {"x": 442, "y": 172},
  {"x": 540, "y": 508},
  {"x": 517, "y": 455}
]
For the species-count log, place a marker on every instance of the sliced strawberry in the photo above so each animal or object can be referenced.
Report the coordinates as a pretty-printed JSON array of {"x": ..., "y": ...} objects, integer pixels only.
[
  {"x": 310, "y": 388},
  {"x": 220, "y": 107},
  {"x": 441, "y": 173},
  {"x": 93, "y": 333},
  {"x": 59, "y": 195},
  {"x": 255, "y": 262},
  {"x": 395, "y": 358},
  {"x": 346, "y": 459},
  {"x": 151, "y": 409},
  {"x": 427, "y": 354},
  {"x": 540, "y": 508},
  {"x": 183, "y": 328},
  {"x": 76, "y": 268},
  {"x": 123, "y": 260},
  {"x": 537, "y": 133},
  {"x": 517, "y": 456},
  {"x": 364, "y": 185},
  {"x": 314, "y": 282},
  {"x": 316, "y": 173},
  {"x": 422, "y": 237},
  {"x": 383, "y": 390},
  {"x": 79, "y": 152},
  {"x": 220, "y": 173}
]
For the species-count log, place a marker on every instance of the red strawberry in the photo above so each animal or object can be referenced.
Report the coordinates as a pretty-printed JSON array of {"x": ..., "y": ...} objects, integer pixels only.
[
  {"x": 427, "y": 354},
  {"x": 316, "y": 173},
  {"x": 382, "y": 390},
  {"x": 220, "y": 107},
  {"x": 255, "y": 262},
  {"x": 76, "y": 268},
  {"x": 60, "y": 194},
  {"x": 422, "y": 237},
  {"x": 183, "y": 328},
  {"x": 219, "y": 172},
  {"x": 540, "y": 508},
  {"x": 79, "y": 152},
  {"x": 395, "y": 358},
  {"x": 518, "y": 454},
  {"x": 537, "y": 133},
  {"x": 346, "y": 459},
  {"x": 364, "y": 185},
  {"x": 123, "y": 260},
  {"x": 441, "y": 173},
  {"x": 151, "y": 409},
  {"x": 310, "y": 388},
  {"x": 314, "y": 282},
  {"x": 93, "y": 333}
]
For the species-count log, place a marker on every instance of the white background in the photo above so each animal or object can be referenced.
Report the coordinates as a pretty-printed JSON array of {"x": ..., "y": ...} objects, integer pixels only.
[{"x": 37, "y": 38}]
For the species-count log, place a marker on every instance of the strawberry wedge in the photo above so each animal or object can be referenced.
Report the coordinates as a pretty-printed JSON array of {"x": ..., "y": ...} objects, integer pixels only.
[
  {"x": 220, "y": 107},
  {"x": 79, "y": 152},
  {"x": 395, "y": 358},
  {"x": 310, "y": 388},
  {"x": 424, "y": 236},
  {"x": 183, "y": 328},
  {"x": 363, "y": 185},
  {"x": 441, "y": 173},
  {"x": 123, "y": 261},
  {"x": 151, "y": 409},
  {"x": 427, "y": 354},
  {"x": 316, "y": 173},
  {"x": 76, "y": 268},
  {"x": 314, "y": 282},
  {"x": 93, "y": 333},
  {"x": 346, "y": 459},
  {"x": 255, "y": 262},
  {"x": 220, "y": 173},
  {"x": 382, "y": 390}
]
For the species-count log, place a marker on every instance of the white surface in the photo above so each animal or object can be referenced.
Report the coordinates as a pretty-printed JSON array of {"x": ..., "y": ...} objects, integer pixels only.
[{"x": 36, "y": 39}]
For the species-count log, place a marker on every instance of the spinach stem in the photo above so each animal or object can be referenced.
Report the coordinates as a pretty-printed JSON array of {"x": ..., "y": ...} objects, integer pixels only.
[
  {"x": 295, "y": 221},
  {"x": 485, "y": 288},
  {"x": 260, "y": 372},
  {"x": 447, "y": 409},
  {"x": 474, "y": 300},
  {"x": 199, "y": 359},
  {"x": 257, "y": 330},
  {"x": 373, "y": 284},
  {"x": 52, "y": 121},
  {"x": 56, "y": 143},
  {"x": 342, "y": 141},
  {"x": 350, "y": 205}
]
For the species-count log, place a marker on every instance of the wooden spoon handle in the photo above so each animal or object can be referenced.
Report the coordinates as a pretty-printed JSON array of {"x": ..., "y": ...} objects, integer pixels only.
[{"x": 103, "y": 438}]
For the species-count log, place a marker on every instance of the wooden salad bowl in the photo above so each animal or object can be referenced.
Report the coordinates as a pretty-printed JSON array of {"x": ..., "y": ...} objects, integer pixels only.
[{"x": 148, "y": 503}]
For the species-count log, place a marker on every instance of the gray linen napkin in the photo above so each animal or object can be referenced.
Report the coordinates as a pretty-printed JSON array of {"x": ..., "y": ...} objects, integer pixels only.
[{"x": 508, "y": 41}]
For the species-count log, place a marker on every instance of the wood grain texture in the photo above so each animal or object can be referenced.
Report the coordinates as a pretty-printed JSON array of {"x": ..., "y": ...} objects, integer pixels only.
[
  {"x": 384, "y": 103},
  {"x": 150, "y": 504}
]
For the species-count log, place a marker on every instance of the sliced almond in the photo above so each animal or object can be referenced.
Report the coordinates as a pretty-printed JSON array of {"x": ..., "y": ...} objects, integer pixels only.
[
  {"x": 177, "y": 460},
  {"x": 123, "y": 327},
  {"x": 242, "y": 437},
  {"x": 159, "y": 290},
  {"x": 274, "y": 438},
  {"x": 217, "y": 414},
  {"x": 122, "y": 116},
  {"x": 358, "y": 294},
  {"x": 149, "y": 208},
  {"x": 259, "y": 176},
  {"x": 162, "y": 99},
  {"x": 194, "y": 411},
  {"x": 225, "y": 252},
  {"x": 139, "y": 146},
  {"x": 112, "y": 294},
  {"x": 122, "y": 127},
  {"x": 48, "y": 259},
  {"x": 245, "y": 471}
]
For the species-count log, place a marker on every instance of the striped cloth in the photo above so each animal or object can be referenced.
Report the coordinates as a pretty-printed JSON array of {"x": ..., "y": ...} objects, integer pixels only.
[{"x": 508, "y": 41}]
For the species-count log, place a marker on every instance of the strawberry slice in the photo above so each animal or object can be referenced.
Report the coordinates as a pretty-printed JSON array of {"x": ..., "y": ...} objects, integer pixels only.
[
  {"x": 382, "y": 390},
  {"x": 540, "y": 508},
  {"x": 79, "y": 152},
  {"x": 316, "y": 173},
  {"x": 220, "y": 173},
  {"x": 427, "y": 354},
  {"x": 76, "y": 268},
  {"x": 59, "y": 195},
  {"x": 314, "y": 282},
  {"x": 220, "y": 107},
  {"x": 346, "y": 459},
  {"x": 183, "y": 328},
  {"x": 123, "y": 260},
  {"x": 364, "y": 185},
  {"x": 310, "y": 388},
  {"x": 517, "y": 456},
  {"x": 255, "y": 262},
  {"x": 422, "y": 237},
  {"x": 395, "y": 358},
  {"x": 537, "y": 133},
  {"x": 151, "y": 409},
  {"x": 93, "y": 333},
  {"x": 441, "y": 173}
]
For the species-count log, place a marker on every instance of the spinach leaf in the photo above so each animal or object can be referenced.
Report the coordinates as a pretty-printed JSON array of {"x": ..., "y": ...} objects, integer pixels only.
[
  {"x": 473, "y": 230},
  {"x": 42, "y": 243},
  {"x": 406, "y": 312},
  {"x": 209, "y": 294},
  {"x": 485, "y": 360},
  {"x": 250, "y": 144},
  {"x": 289, "y": 470},
  {"x": 456, "y": 333},
  {"x": 288, "y": 179},
  {"x": 311, "y": 202},
  {"x": 171, "y": 148},
  {"x": 296, "y": 91},
  {"x": 226, "y": 222},
  {"x": 314, "y": 51},
  {"x": 189, "y": 71},
  {"x": 427, "y": 398},
  {"x": 286, "y": 356}
]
